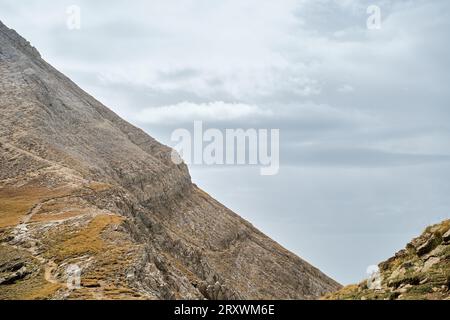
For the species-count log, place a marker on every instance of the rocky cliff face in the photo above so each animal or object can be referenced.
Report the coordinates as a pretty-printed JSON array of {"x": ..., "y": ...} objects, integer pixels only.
[
  {"x": 420, "y": 271},
  {"x": 82, "y": 191}
]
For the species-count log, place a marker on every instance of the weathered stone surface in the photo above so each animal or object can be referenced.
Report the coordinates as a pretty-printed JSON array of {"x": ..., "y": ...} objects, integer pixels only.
[
  {"x": 421, "y": 271},
  {"x": 431, "y": 243},
  {"x": 81, "y": 187},
  {"x": 446, "y": 236}
]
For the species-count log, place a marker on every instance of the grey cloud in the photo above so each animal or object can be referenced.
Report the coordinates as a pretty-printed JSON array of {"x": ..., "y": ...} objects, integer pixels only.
[
  {"x": 370, "y": 164},
  {"x": 361, "y": 157}
]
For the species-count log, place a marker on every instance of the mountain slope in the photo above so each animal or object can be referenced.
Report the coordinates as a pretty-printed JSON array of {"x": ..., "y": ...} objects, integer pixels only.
[
  {"x": 420, "y": 271},
  {"x": 81, "y": 190}
]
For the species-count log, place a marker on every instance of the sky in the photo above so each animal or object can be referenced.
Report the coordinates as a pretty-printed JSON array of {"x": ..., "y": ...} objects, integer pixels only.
[{"x": 363, "y": 113}]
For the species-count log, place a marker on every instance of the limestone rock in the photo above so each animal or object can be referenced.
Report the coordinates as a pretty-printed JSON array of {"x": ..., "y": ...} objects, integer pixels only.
[
  {"x": 84, "y": 194},
  {"x": 421, "y": 271},
  {"x": 429, "y": 245},
  {"x": 446, "y": 236}
]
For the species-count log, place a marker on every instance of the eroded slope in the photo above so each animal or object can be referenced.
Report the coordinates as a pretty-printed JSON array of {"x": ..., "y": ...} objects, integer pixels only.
[{"x": 81, "y": 187}]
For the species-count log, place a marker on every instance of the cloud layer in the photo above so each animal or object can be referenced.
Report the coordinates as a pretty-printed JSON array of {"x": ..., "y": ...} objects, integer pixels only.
[{"x": 363, "y": 114}]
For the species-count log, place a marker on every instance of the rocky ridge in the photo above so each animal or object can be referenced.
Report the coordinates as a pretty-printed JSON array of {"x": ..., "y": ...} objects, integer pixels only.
[
  {"x": 420, "y": 271},
  {"x": 84, "y": 192}
]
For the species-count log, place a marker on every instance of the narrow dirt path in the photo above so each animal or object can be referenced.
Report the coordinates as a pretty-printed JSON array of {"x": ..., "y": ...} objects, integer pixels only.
[
  {"x": 48, "y": 272},
  {"x": 51, "y": 164},
  {"x": 21, "y": 234},
  {"x": 31, "y": 155}
]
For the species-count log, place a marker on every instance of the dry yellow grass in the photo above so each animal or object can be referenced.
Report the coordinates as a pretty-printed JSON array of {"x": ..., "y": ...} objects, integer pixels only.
[
  {"x": 57, "y": 217},
  {"x": 444, "y": 226},
  {"x": 86, "y": 240},
  {"x": 99, "y": 186},
  {"x": 43, "y": 291},
  {"x": 346, "y": 292},
  {"x": 33, "y": 286},
  {"x": 15, "y": 203}
]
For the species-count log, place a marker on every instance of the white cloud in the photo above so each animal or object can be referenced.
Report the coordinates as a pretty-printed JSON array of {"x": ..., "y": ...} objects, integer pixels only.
[
  {"x": 346, "y": 88},
  {"x": 310, "y": 67},
  {"x": 188, "y": 112}
]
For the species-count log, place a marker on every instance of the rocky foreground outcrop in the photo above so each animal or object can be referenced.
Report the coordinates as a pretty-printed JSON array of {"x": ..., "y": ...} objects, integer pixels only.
[
  {"x": 86, "y": 196},
  {"x": 420, "y": 271}
]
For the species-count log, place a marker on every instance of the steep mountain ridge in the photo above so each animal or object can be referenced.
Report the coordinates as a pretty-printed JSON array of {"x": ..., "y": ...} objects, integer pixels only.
[{"x": 81, "y": 190}]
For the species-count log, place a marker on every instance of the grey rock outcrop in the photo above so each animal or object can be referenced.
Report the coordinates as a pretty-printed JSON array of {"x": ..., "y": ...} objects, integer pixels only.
[{"x": 421, "y": 271}]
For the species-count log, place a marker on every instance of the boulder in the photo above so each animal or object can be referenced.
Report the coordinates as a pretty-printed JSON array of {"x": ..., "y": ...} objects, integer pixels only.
[
  {"x": 446, "y": 236},
  {"x": 429, "y": 245}
]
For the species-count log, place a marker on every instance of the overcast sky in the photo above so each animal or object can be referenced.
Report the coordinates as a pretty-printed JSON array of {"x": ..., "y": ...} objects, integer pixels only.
[{"x": 363, "y": 114}]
